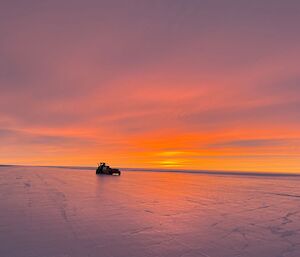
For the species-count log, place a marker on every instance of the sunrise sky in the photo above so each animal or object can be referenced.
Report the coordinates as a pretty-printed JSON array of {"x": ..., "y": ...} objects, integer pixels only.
[{"x": 158, "y": 83}]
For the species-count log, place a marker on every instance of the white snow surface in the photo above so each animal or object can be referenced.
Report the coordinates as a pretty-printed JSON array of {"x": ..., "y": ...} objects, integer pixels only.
[{"x": 56, "y": 212}]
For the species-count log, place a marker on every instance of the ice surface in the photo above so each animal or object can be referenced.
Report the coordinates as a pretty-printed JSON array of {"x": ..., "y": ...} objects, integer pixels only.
[{"x": 51, "y": 212}]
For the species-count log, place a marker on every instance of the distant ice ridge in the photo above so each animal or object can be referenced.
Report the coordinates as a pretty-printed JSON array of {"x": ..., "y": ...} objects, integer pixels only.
[
  {"x": 54, "y": 212},
  {"x": 209, "y": 172}
]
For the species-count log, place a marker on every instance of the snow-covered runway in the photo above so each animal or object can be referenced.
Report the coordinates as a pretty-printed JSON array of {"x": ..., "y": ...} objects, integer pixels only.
[{"x": 54, "y": 212}]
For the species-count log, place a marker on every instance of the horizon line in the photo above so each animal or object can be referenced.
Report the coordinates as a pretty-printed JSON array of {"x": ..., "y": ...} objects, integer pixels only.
[{"x": 164, "y": 170}]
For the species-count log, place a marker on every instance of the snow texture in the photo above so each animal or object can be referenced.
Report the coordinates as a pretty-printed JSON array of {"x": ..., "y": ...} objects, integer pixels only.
[{"x": 55, "y": 212}]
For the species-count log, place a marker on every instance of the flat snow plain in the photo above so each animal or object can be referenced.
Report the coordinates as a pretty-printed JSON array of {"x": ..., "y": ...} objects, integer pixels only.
[{"x": 56, "y": 212}]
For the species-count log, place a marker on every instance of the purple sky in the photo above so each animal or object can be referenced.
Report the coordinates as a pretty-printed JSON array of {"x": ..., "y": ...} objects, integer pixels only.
[{"x": 188, "y": 84}]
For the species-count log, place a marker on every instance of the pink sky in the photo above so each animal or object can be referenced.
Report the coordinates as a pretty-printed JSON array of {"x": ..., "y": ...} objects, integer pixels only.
[{"x": 183, "y": 84}]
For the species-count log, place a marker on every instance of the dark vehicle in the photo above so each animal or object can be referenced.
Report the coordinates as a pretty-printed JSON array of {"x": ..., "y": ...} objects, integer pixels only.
[{"x": 105, "y": 169}]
